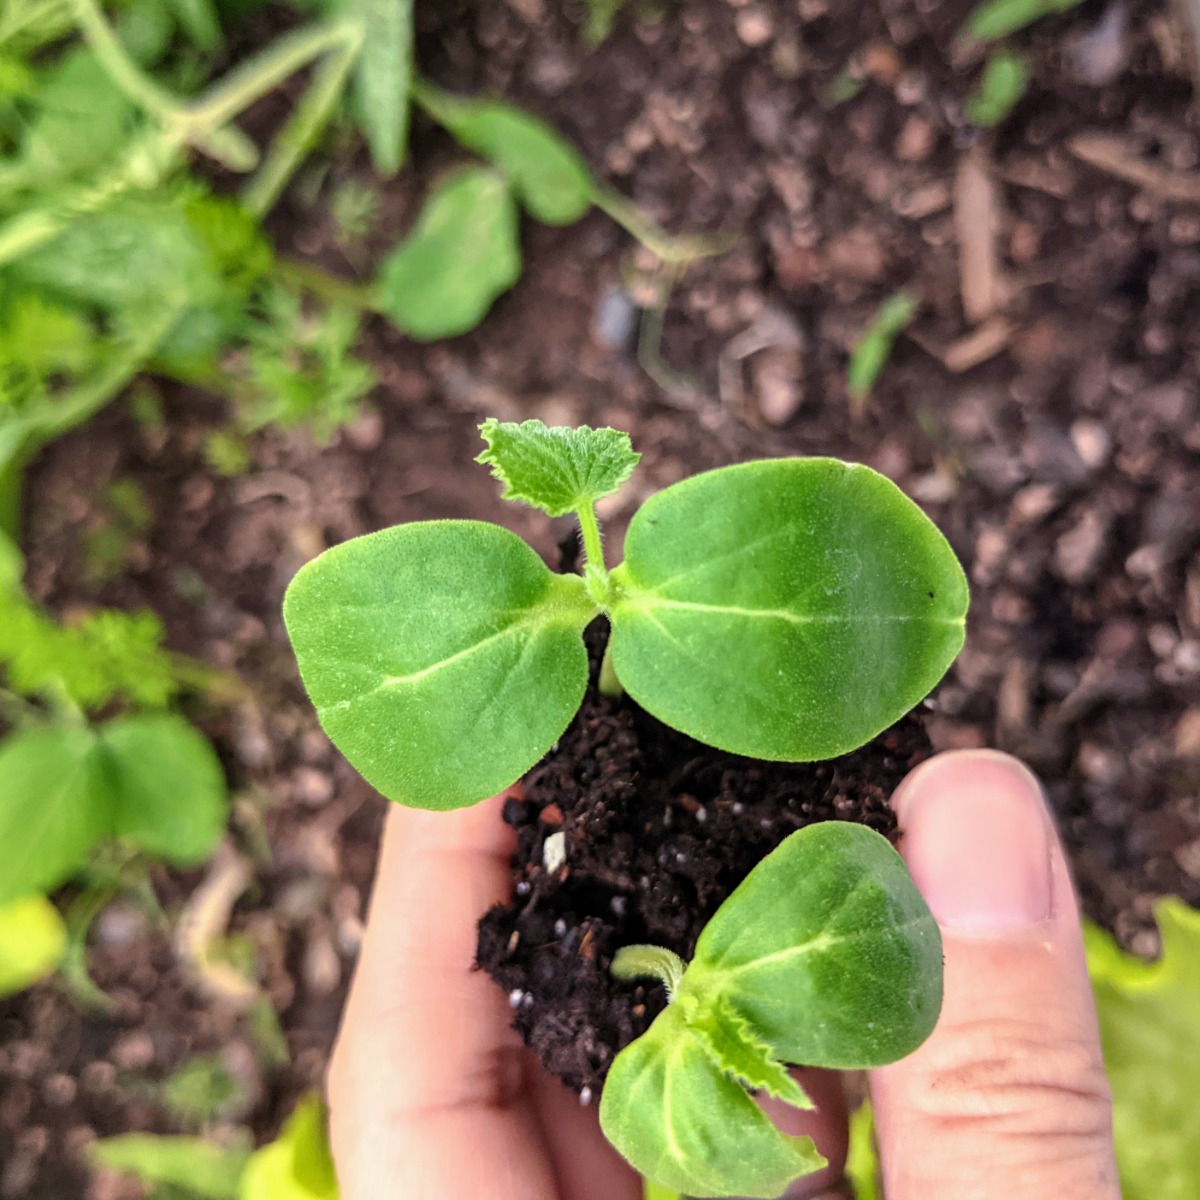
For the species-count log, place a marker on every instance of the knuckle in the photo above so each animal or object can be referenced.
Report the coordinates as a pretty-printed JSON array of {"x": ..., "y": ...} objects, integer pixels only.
[{"x": 1019, "y": 1079}]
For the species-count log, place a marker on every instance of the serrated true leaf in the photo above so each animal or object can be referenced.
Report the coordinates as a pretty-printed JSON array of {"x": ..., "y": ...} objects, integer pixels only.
[
  {"x": 738, "y": 1051},
  {"x": 826, "y": 950},
  {"x": 1150, "y": 1030},
  {"x": 297, "y": 1165},
  {"x": 443, "y": 658},
  {"x": 790, "y": 609},
  {"x": 556, "y": 469},
  {"x": 168, "y": 788},
  {"x": 382, "y": 79},
  {"x": 549, "y": 177},
  {"x": 196, "y": 1165},
  {"x": 687, "y": 1125},
  {"x": 32, "y": 941},
  {"x": 462, "y": 254},
  {"x": 54, "y": 806}
]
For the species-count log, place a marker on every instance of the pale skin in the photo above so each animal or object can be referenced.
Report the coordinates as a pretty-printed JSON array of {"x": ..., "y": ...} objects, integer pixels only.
[{"x": 432, "y": 1096}]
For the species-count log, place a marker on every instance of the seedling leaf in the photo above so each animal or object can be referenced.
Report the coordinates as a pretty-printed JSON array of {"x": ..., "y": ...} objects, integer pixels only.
[
  {"x": 555, "y": 469},
  {"x": 462, "y": 254},
  {"x": 683, "y": 1122},
  {"x": 548, "y": 176},
  {"x": 444, "y": 658},
  {"x": 32, "y": 941},
  {"x": 825, "y": 955},
  {"x": 195, "y": 1165},
  {"x": 998, "y": 18},
  {"x": 297, "y": 1165},
  {"x": 54, "y": 806},
  {"x": 382, "y": 78},
  {"x": 827, "y": 951},
  {"x": 168, "y": 786},
  {"x": 875, "y": 347},
  {"x": 1150, "y": 1030},
  {"x": 1005, "y": 82},
  {"x": 790, "y": 609}
]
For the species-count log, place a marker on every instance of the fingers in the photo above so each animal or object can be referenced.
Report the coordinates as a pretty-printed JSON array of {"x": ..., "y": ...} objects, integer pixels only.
[
  {"x": 426, "y": 1073},
  {"x": 1007, "y": 1099}
]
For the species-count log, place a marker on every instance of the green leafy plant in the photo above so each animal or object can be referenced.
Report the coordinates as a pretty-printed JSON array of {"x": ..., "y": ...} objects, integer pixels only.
[
  {"x": 1150, "y": 1031},
  {"x": 825, "y": 955},
  {"x": 788, "y": 609},
  {"x": 33, "y": 940},
  {"x": 874, "y": 348},
  {"x": 998, "y": 18},
  {"x": 296, "y": 1166}
]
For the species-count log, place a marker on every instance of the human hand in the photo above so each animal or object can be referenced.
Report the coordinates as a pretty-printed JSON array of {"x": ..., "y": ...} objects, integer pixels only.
[{"x": 433, "y": 1097}]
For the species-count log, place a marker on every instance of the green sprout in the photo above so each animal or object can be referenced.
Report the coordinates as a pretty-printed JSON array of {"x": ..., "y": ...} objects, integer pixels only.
[
  {"x": 998, "y": 18},
  {"x": 825, "y": 931},
  {"x": 789, "y": 610},
  {"x": 1003, "y": 86},
  {"x": 874, "y": 348}
]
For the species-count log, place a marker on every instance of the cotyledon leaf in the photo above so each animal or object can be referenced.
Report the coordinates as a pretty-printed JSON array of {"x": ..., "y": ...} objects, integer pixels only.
[
  {"x": 827, "y": 950},
  {"x": 550, "y": 178},
  {"x": 444, "y": 658},
  {"x": 683, "y": 1122},
  {"x": 789, "y": 609}
]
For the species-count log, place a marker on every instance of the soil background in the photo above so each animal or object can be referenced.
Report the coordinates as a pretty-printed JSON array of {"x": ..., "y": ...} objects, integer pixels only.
[{"x": 1042, "y": 409}]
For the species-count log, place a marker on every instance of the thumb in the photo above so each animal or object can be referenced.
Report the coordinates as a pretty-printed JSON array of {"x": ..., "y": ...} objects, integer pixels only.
[{"x": 1008, "y": 1098}]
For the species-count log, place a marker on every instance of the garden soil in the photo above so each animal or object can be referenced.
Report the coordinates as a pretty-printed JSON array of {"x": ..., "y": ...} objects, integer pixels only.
[{"x": 1042, "y": 408}]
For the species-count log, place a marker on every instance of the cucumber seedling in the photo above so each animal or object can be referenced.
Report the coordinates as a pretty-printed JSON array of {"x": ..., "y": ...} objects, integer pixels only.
[{"x": 789, "y": 609}]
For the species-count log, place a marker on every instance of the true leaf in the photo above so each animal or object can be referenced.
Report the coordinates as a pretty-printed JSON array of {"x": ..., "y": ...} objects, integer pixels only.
[
  {"x": 1150, "y": 1030},
  {"x": 462, "y": 254},
  {"x": 382, "y": 78},
  {"x": 555, "y": 469},
  {"x": 549, "y": 177},
  {"x": 999, "y": 18},
  {"x": 681, "y": 1121},
  {"x": 196, "y": 1165},
  {"x": 168, "y": 786},
  {"x": 443, "y": 658},
  {"x": 297, "y": 1165},
  {"x": 54, "y": 806},
  {"x": 32, "y": 940},
  {"x": 790, "y": 609}
]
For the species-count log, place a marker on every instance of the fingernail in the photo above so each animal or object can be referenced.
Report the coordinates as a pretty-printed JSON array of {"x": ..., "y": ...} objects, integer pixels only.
[{"x": 977, "y": 840}]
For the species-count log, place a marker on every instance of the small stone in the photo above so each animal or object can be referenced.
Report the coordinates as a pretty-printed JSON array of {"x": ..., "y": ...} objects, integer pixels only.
[
  {"x": 916, "y": 141},
  {"x": 755, "y": 26},
  {"x": 133, "y": 1052},
  {"x": 551, "y": 815},
  {"x": 1078, "y": 552},
  {"x": 515, "y": 997},
  {"x": 560, "y": 928},
  {"x": 313, "y": 787},
  {"x": 1092, "y": 442},
  {"x": 585, "y": 1096}
]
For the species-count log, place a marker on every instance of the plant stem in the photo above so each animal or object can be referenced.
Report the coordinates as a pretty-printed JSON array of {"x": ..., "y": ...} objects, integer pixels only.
[
  {"x": 673, "y": 250},
  {"x": 121, "y": 69},
  {"x": 300, "y": 134},
  {"x": 608, "y": 683},
  {"x": 324, "y": 285},
  {"x": 593, "y": 544},
  {"x": 264, "y": 72}
]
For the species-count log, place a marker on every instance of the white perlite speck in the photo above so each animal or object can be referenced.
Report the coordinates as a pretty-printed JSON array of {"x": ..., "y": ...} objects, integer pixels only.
[{"x": 554, "y": 852}]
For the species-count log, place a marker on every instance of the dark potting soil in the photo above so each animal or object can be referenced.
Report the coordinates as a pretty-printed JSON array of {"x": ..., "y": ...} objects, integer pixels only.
[{"x": 659, "y": 829}]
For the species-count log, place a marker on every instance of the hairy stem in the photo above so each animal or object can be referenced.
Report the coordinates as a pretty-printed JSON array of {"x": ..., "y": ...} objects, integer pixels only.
[
  {"x": 653, "y": 962},
  {"x": 593, "y": 544}
]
